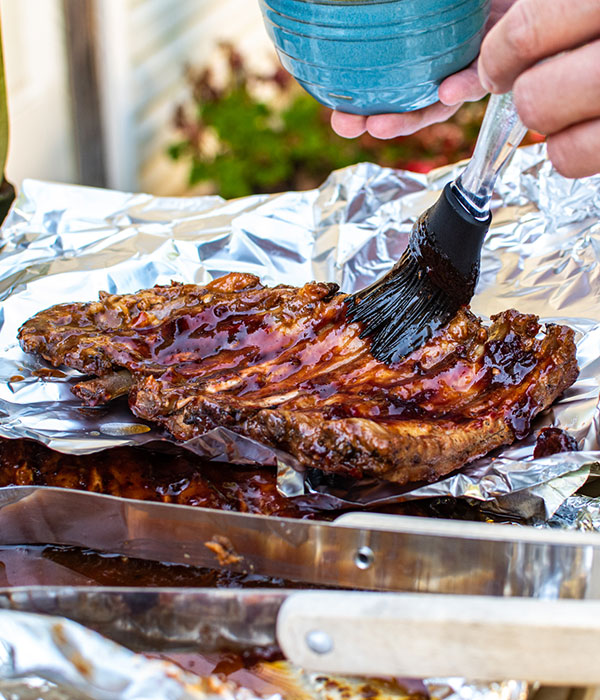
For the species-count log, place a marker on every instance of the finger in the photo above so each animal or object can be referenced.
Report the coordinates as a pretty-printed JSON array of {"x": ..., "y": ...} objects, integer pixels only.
[
  {"x": 498, "y": 9},
  {"x": 561, "y": 92},
  {"x": 465, "y": 85},
  {"x": 388, "y": 126},
  {"x": 348, "y": 125},
  {"x": 531, "y": 30},
  {"x": 575, "y": 152},
  {"x": 462, "y": 87}
]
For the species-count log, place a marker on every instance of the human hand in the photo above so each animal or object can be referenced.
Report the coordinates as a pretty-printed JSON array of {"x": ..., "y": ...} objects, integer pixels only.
[
  {"x": 559, "y": 97},
  {"x": 454, "y": 90},
  {"x": 463, "y": 86}
]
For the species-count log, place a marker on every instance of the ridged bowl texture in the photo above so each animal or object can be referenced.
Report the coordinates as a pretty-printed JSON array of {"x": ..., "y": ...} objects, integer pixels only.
[{"x": 374, "y": 56}]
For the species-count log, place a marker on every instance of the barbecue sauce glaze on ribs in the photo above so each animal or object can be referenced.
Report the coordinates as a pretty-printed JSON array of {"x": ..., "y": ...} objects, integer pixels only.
[{"x": 282, "y": 365}]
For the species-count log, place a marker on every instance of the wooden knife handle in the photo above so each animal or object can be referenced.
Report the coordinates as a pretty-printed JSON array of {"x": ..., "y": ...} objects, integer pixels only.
[{"x": 424, "y": 635}]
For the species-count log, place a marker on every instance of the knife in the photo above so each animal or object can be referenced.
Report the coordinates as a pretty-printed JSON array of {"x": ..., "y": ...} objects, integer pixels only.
[
  {"x": 346, "y": 632},
  {"x": 358, "y": 551}
]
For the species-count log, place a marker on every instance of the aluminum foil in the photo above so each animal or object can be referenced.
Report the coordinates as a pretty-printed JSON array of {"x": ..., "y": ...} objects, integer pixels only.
[
  {"x": 80, "y": 663},
  {"x": 460, "y": 689},
  {"x": 65, "y": 243}
]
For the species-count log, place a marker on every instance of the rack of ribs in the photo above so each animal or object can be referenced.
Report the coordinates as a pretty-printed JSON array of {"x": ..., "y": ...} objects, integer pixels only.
[{"x": 283, "y": 365}]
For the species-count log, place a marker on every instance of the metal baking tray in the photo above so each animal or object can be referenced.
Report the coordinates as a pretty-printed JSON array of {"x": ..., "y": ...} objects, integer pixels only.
[
  {"x": 361, "y": 551},
  {"x": 445, "y": 596}
]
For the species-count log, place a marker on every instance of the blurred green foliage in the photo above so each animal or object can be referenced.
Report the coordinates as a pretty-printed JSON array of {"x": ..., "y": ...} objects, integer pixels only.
[{"x": 238, "y": 142}]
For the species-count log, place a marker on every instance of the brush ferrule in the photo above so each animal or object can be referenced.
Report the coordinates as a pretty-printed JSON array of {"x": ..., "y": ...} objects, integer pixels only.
[{"x": 447, "y": 240}]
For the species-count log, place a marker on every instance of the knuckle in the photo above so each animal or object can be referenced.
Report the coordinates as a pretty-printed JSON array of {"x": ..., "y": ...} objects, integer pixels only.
[
  {"x": 594, "y": 69},
  {"x": 389, "y": 126},
  {"x": 522, "y": 32},
  {"x": 576, "y": 151},
  {"x": 488, "y": 61},
  {"x": 528, "y": 104},
  {"x": 562, "y": 153},
  {"x": 383, "y": 132}
]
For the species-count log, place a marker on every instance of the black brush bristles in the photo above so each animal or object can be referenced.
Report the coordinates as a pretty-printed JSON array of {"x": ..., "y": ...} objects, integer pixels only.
[
  {"x": 401, "y": 311},
  {"x": 435, "y": 276}
]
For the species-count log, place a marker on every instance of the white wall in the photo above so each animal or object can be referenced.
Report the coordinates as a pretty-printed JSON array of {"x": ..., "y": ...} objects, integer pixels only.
[
  {"x": 40, "y": 142},
  {"x": 144, "y": 46}
]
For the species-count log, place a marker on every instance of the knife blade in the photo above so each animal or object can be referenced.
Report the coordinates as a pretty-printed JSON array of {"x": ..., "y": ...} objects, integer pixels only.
[{"x": 160, "y": 619}]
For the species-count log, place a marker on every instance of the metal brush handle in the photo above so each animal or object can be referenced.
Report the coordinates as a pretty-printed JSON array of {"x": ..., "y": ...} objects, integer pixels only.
[{"x": 499, "y": 136}]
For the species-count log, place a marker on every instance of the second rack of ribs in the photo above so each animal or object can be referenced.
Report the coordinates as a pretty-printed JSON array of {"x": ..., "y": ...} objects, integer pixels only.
[{"x": 283, "y": 366}]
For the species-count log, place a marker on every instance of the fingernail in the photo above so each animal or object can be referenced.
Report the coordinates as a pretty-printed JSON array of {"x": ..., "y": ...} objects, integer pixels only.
[
  {"x": 484, "y": 78},
  {"x": 449, "y": 102}
]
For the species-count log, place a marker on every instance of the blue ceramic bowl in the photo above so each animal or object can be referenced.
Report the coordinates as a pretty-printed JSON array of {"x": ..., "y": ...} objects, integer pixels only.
[{"x": 374, "y": 56}]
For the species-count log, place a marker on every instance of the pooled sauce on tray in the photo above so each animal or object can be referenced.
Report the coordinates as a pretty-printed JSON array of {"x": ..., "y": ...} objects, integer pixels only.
[
  {"x": 55, "y": 565},
  {"x": 173, "y": 476}
]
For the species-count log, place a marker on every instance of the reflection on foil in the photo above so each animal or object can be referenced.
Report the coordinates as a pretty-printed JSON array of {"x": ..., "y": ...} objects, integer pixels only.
[
  {"x": 83, "y": 662},
  {"x": 64, "y": 243},
  {"x": 577, "y": 512},
  {"x": 459, "y": 689},
  {"x": 37, "y": 689}
]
